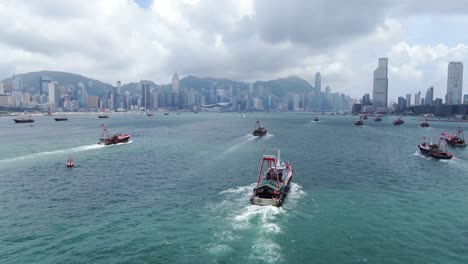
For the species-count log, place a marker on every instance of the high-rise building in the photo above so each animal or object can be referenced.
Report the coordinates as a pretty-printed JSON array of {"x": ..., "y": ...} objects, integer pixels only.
[
  {"x": 366, "y": 100},
  {"x": 52, "y": 94},
  {"x": 408, "y": 100},
  {"x": 318, "y": 92},
  {"x": 119, "y": 87},
  {"x": 175, "y": 83},
  {"x": 428, "y": 100},
  {"x": 44, "y": 85},
  {"x": 454, "y": 83},
  {"x": 380, "y": 91},
  {"x": 401, "y": 104},
  {"x": 145, "y": 94},
  {"x": 17, "y": 83},
  {"x": 417, "y": 98}
]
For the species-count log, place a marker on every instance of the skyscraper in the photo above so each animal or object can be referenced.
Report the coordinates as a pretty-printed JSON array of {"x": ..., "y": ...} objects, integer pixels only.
[
  {"x": 454, "y": 83},
  {"x": 145, "y": 94},
  {"x": 417, "y": 98},
  {"x": 175, "y": 83},
  {"x": 408, "y": 100},
  {"x": 318, "y": 92},
  {"x": 44, "y": 84},
  {"x": 366, "y": 100},
  {"x": 428, "y": 100},
  {"x": 380, "y": 92}
]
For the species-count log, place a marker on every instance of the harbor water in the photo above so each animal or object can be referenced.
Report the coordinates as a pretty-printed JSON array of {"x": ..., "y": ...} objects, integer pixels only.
[{"x": 178, "y": 192}]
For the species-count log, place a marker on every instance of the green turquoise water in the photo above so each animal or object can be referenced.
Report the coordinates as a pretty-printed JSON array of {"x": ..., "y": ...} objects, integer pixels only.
[{"x": 179, "y": 192}]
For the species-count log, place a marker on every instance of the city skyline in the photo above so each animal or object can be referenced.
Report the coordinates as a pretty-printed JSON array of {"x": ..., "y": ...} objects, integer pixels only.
[{"x": 245, "y": 42}]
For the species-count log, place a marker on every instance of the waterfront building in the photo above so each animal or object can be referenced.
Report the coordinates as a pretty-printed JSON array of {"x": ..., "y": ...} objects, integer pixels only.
[
  {"x": 175, "y": 83},
  {"x": 145, "y": 94},
  {"x": 454, "y": 83},
  {"x": 429, "y": 96},
  {"x": 318, "y": 92},
  {"x": 417, "y": 98},
  {"x": 44, "y": 85},
  {"x": 380, "y": 89}
]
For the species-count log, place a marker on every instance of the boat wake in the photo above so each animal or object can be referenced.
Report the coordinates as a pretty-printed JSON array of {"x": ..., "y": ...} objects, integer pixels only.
[
  {"x": 61, "y": 151},
  {"x": 243, "y": 140},
  {"x": 259, "y": 226}
]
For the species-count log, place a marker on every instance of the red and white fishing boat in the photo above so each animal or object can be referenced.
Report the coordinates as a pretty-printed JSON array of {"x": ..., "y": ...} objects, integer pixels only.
[
  {"x": 70, "y": 162},
  {"x": 436, "y": 151},
  {"x": 398, "y": 121},
  {"x": 273, "y": 181},
  {"x": 106, "y": 139},
  {"x": 456, "y": 139}
]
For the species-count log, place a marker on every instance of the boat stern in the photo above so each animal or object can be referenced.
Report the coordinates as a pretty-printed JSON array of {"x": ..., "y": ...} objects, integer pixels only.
[{"x": 264, "y": 201}]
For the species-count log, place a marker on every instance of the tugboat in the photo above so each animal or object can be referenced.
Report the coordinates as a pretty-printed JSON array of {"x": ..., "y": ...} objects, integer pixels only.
[
  {"x": 359, "y": 122},
  {"x": 70, "y": 162},
  {"x": 103, "y": 116},
  {"x": 106, "y": 139},
  {"x": 273, "y": 181},
  {"x": 378, "y": 118},
  {"x": 23, "y": 120},
  {"x": 259, "y": 130},
  {"x": 399, "y": 121},
  {"x": 436, "y": 151},
  {"x": 456, "y": 139}
]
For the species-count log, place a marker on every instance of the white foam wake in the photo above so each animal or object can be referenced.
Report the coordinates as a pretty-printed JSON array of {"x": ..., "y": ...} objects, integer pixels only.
[
  {"x": 60, "y": 151},
  {"x": 258, "y": 224}
]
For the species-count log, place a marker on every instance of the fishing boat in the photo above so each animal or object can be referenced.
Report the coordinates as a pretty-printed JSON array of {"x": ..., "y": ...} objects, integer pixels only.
[
  {"x": 378, "y": 118},
  {"x": 398, "y": 121},
  {"x": 61, "y": 118},
  {"x": 272, "y": 182},
  {"x": 259, "y": 130},
  {"x": 359, "y": 122},
  {"x": 70, "y": 162},
  {"x": 106, "y": 139},
  {"x": 23, "y": 120},
  {"x": 424, "y": 124},
  {"x": 436, "y": 151},
  {"x": 456, "y": 139},
  {"x": 103, "y": 116}
]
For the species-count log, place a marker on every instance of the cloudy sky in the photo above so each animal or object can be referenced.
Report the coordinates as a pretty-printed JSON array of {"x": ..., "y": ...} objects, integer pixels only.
[{"x": 246, "y": 40}]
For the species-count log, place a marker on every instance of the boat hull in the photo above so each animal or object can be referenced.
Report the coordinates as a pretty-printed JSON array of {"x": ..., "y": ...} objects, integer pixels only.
[
  {"x": 61, "y": 119},
  {"x": 110, "y": 141},
  {"x": 259, "y": 133},
  {"x": 358, "y": 123},
  {"x": 103, "y": 116},
  {"x": 23, "y": 120},
  {"x": 454, "y": 144},
  {"x": 441, "y": 156}
]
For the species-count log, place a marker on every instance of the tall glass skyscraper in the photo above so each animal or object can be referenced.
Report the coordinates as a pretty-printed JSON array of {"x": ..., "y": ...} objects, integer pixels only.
[
  {"x": 380, "y": 92},
  {"x": 454, "y": 83}
]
